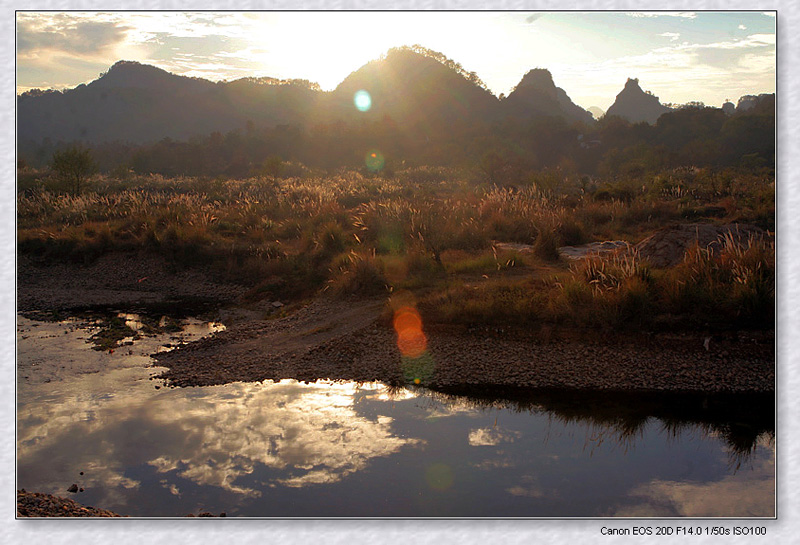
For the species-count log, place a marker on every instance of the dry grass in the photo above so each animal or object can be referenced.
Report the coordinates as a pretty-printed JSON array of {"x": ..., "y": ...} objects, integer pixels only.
[{"x": 427, "y": 229}]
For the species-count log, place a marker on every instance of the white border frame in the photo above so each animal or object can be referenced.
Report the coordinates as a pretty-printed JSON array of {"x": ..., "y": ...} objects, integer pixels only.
[{"x": 418, "y": 532}]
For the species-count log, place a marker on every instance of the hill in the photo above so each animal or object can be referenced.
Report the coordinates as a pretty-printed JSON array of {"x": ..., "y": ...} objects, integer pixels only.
[
  {"x": 636, "y": 105},
  {"x": 537, "y": 95}
]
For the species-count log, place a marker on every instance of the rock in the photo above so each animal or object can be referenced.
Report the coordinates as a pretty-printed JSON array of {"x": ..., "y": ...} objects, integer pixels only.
[
  {"x": 73, "y": 488},
  {"x": 667, "y": 247},
  {"x": 579, "y": 252},
  {"x": 636, "y": 105},
  {"x": 277, "y": 304}
]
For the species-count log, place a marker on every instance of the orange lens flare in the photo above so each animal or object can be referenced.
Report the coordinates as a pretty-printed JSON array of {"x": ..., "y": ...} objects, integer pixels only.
[{"x": 411, "y": 341}]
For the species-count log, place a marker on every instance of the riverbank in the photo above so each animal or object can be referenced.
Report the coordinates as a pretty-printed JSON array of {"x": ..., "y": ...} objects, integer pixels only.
[
  {"x": 33, "y": 504},
  {"x": 349, "y": 340}
]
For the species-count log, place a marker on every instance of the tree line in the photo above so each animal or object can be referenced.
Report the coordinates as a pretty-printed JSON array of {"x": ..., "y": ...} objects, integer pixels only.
[{"x": 503, "y": 150}]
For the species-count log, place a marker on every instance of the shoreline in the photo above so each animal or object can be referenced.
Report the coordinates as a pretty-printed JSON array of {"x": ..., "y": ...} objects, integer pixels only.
[
  {"x": 316, "y": 343},
  {"x": 350, "y": 339}
]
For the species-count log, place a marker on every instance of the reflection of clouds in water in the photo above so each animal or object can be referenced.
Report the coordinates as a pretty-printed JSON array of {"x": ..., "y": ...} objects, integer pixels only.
[
  {"x": 528, "y": 487},
  {"x": 747, "y": 494},
  {"x": 111, "y": 419},
  {"x": 211, "y": 436},
  {"x": 459, "y": 407},
  {"x": 491, "y": 436},
  {"x": 313, "y": 432},
  {"x": 494, "y": 463}
]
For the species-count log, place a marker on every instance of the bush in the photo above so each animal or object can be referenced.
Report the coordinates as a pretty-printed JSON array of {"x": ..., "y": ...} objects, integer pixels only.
[{"x": 355, "y": 273}]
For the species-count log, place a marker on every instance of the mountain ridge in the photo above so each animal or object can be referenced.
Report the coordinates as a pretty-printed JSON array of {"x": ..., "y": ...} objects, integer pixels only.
[
  {"x": 635, "y": 105},
  {"x": 412, "y": 85}
]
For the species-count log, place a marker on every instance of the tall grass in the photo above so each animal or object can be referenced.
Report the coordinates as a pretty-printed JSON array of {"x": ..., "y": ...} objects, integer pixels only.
[
  {"x": 732, "y": 280},
  {"x": 420, "y": 229}
]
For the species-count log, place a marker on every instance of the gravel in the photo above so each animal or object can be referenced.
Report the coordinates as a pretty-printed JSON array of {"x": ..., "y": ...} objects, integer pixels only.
[
  {"x": 32, "y": 504},
  {"x": 120, "y": 278},
  {"x": 293, "y": 348}
]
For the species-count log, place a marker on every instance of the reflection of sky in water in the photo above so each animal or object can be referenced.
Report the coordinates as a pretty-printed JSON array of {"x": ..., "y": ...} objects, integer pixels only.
[
  {"x": 749, "y": 492},
  {"x": 312, "y": 429},
  {"x": 292, "y": 449}
]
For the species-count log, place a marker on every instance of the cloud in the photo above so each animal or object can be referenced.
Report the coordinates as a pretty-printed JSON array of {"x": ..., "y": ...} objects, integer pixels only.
[
  {"x": 750, "y": 493},
  {"x": 675, "y": 72},
  {"x": 82, "y": 38},
  {"x": 671, "y": 35},
  {"x": 529, "y": 487},
  {"x": 491, "y": 437},
  {"x": 651, "y": 14}
]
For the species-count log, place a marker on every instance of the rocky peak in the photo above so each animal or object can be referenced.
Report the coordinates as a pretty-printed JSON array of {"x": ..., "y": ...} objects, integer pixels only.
[
  {"x": 636, "y": 105},
  {"x": 539, "y": 79},
  {"x": 132, "y": 74},
  {"x": 537, "y": 93}
]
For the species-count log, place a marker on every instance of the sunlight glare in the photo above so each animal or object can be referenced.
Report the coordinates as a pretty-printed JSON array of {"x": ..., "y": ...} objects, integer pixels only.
[
  {"x": 410, "y": 339},
  {"x": 362, "y": 100},
  {"x": 374, "y": 161}
]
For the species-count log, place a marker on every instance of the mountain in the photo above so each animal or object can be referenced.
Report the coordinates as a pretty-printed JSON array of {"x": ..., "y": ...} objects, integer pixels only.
[
  {"x": 416, "y": 88},
  {"x": 764, "y": 102},
  {"x": 596, "y": 112},
  {"x": 537, "y": 95},
  {"x": 411, "y": 88},
  {"x": 138, "y": 103},
  {"x": 636, "y": 105}
]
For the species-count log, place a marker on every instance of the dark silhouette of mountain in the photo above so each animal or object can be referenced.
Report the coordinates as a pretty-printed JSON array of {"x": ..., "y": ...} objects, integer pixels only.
[
  {"x": 416, "y": 88},
  {"x": 537, "y": 95},
  {"x": 636, "y": 105},
  {"x": 138, "y": 103},
  {"x": 425, "y": 109},
  {"x": 728, "y": 107},
  {"x": 762, "y": 103}
]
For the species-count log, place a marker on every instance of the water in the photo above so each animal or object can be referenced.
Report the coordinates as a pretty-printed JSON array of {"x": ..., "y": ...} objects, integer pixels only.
[{"x": 289, "y": 449}]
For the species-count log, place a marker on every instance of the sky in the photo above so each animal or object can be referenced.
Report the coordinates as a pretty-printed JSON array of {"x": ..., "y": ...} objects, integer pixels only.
[{"x": 678, "y": 56}]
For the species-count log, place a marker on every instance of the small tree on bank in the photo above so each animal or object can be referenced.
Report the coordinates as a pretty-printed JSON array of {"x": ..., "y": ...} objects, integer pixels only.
[{"x": 73, "y": 166}]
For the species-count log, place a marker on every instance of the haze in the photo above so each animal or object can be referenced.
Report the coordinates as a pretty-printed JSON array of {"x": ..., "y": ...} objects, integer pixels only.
[{"x": 678, "y": 56}]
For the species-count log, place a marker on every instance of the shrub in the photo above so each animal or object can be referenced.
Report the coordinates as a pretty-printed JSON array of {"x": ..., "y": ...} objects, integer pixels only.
[{"x": 355, "y": 273}]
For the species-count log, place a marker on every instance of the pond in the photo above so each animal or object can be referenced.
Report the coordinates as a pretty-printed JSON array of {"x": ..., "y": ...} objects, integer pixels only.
[{"x": 101, "y": 420}]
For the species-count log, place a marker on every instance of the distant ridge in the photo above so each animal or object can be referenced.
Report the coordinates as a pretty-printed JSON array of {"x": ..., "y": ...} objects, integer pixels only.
[
  {"x": 414, "y": 87},
  {"x": 635, "y": 105},
  {"x": 537, "y": 94}
]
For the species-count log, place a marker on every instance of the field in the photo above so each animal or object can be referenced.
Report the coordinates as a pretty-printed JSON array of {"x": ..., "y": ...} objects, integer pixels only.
[{"x": 467, "y": 252}]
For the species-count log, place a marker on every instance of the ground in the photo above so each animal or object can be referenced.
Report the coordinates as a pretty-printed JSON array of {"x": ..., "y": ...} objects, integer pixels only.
[
  {"x": 351, "y": 338},
  {"x": 31, "y": 504}
]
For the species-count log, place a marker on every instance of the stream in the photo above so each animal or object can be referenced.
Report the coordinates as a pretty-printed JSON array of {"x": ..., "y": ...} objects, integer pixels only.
[{"x": 102, "y": 421}]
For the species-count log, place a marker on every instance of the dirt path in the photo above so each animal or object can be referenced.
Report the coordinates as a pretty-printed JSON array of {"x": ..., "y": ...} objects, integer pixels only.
[
  {"x": 121, "y": 279},
  {"x": 271, "y": 349},
  {"x": 345, "y": 340}
]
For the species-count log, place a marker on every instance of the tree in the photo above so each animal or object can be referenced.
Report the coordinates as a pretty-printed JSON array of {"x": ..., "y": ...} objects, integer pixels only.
[
  {"x": 73, "y": 166},
  {"x": 272, "y": 167}
]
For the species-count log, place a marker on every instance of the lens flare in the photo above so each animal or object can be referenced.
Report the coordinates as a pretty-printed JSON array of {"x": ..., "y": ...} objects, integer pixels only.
[
  {"x": 374, "y": 160},
  {"x": 439, "y": 477},
  {"x": 362, "y": 100},
  {"x": 410, "y": 338},
  {"x": 418, "y": 370}
]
